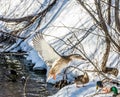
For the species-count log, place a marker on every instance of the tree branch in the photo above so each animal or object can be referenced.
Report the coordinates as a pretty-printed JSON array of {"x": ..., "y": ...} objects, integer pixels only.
[{"x": 117, "y": 18}]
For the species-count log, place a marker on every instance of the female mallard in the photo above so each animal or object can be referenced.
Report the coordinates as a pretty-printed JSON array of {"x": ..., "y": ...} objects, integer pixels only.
[
  {"x": 51, "y": 56},
  {"x": 82, "y": 79},
  {"x": 61, "y": 63}
]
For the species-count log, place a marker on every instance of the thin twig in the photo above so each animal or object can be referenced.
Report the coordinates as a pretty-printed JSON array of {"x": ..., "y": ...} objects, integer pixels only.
[{"x": 24, "y": 88}]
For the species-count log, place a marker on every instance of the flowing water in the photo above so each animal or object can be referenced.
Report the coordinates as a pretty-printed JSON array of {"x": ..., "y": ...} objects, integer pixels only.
[{"x": 26, "y": 83}]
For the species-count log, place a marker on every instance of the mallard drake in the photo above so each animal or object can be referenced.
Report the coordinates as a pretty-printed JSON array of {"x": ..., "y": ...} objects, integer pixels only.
[
  {"x": 82, "y": 79},
  {"x": 112, "y": 89},
  {"x": 108, "y": 89},
  {"x": 115, "y": 91},
  {"x": 99, "y": 84}
]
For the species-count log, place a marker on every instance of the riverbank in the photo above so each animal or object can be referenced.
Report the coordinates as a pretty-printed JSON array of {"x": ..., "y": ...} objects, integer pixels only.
[{"x": 33, "y": 85}]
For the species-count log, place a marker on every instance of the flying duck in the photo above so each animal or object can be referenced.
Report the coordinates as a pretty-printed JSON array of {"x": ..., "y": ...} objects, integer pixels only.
[{"x": 51, "y": 57}]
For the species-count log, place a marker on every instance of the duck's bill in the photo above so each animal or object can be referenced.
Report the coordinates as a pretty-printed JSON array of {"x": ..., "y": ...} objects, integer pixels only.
[{"x": 96, "y": 87}]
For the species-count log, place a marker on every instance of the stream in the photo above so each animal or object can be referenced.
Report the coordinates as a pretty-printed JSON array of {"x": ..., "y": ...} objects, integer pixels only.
[{"x": 18, "y": 79}]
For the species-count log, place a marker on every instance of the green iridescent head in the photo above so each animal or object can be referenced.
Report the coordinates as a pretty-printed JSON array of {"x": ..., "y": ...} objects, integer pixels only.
[
  {"x": 99, "y": 84},
  {"x": 114, "y": 90}
]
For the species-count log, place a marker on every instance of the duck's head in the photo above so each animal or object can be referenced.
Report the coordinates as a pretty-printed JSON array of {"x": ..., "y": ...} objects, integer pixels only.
[
  {"x": 99, "y": 84},
  {"x": 114, "y": 90}
]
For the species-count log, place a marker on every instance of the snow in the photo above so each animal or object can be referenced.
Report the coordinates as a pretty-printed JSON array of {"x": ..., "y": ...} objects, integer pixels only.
[
  {"x": 72, "y": 91},
  {"x": 61, "y": 22}
]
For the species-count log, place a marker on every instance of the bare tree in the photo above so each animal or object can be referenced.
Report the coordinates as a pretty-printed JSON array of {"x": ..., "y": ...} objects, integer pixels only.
[
  {"x": 103, "y": 16},
  {"x": 106, "y": 20},
  {"x": 23, "y": 24}
]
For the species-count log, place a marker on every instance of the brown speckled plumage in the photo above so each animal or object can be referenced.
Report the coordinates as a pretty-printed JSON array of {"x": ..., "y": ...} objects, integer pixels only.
[
  {"x": 82, "y": 79},
  {"x": 50, "y": 56},
  {"x": 61, "y": 63}
]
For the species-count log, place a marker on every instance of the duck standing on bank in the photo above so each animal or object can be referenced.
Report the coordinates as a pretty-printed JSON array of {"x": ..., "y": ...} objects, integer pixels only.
[{"x": 82, "y": 79}]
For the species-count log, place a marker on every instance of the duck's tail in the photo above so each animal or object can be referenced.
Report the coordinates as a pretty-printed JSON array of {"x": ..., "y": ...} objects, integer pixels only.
[{"x": 86, "y": 77}]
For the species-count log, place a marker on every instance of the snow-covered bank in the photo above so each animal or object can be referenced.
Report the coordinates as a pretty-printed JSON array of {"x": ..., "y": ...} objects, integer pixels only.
[
  {"x": 60, "y": 27},
  {"x": 89, "y": 90}
]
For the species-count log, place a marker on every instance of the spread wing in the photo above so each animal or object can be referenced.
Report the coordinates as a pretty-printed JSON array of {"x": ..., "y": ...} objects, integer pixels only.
[{"x": 48, "y": 54}]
